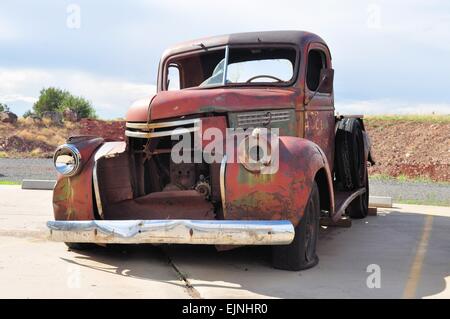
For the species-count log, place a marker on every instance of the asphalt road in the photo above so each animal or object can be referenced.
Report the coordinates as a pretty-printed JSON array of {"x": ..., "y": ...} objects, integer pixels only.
[
  {"x": 412, "y": 191},
  {"x": 18, "y": 169},
  {"x": 402, "y": 252}
]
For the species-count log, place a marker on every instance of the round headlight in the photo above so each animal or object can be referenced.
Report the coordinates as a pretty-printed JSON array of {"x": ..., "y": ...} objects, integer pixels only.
[
  {"x": 255, "y": 152},
  {"x": 67, "y": 160}
]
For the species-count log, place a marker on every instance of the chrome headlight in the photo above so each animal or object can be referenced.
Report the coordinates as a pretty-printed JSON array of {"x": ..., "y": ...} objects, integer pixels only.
[
  {"x": 255, "y": 151},
  {"x": 67, "y": 160}
]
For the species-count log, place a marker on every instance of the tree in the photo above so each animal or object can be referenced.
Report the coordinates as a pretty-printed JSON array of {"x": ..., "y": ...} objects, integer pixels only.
[
  {"x": 49, "y": 100},
  {"x": 57, "y": 100},
  {"x": 4, "y": 107},
  {"x": 79, "y": 105}
]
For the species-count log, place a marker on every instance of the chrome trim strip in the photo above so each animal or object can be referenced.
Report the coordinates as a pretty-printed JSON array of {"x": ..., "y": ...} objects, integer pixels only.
[
  {"x": 159, "y": 134},
  {"x": 149, "y": 126},
  {"x": 98, "y": 200},
  {"x": 263, "y": 117},
  {"x": 107, "y": 149},
  {"x": 263, "y": 113},
  {"x": 250, "y": 122},
  {"x": 223, "y": 165},
  {"x": 175, "y": 231}
]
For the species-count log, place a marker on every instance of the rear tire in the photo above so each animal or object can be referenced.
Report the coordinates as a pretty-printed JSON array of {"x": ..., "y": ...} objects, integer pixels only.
[
  {"x": 359, "y": 208},
  {"x": 350, "y": 163},
  {"x": 301, "y": 253}
]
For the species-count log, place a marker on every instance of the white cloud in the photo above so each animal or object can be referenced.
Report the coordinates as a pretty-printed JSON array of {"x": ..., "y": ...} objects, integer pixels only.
[
  {"x": 110, "y": 96},
  {"x": 7, "y": 30},
  {"x": 7, "y": 98}
]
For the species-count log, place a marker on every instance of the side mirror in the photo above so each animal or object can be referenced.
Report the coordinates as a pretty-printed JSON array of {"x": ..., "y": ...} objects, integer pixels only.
[
  {"x": 326, "y": 81},
  {"x": 325, "y": 84}
]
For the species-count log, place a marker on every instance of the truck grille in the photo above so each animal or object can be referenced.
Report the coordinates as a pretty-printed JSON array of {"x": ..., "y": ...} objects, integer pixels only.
[
  {"x": 151, "y": 130},
  {"x": 262, "y": 118}
]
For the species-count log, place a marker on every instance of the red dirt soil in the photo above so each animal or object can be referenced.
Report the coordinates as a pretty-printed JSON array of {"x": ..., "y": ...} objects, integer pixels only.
[
  {"x": 410, "y": 148},
  {"x": 109, "y": 130}
]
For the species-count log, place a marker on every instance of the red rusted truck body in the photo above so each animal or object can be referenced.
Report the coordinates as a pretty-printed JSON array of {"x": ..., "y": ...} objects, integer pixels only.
[{"x": 132, "y": 192}]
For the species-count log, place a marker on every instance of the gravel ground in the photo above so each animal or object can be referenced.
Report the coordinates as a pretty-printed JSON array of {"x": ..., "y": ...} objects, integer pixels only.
[
  {"x": 401, "y": 191},
  {"x": 412, "y": 192},
  {"x": 17, "y": 169}
]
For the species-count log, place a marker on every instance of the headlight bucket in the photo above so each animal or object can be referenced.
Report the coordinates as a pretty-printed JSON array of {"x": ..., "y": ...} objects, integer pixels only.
[
  {"x": 255, "y": 151},
  {"x": 67, "y": 160}
]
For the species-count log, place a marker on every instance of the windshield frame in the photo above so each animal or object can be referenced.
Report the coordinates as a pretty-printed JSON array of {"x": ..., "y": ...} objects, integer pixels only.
[{"x": 170, "y": 60}]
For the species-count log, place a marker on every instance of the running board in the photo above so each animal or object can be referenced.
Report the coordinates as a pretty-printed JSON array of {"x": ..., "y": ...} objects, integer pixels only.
[{"x": 342, "y": 200}]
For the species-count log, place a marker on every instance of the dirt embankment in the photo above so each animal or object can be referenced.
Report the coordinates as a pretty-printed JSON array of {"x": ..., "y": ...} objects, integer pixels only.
[
  {"x": 28, "y": 138},
  {"x": 410, "y": 148}
]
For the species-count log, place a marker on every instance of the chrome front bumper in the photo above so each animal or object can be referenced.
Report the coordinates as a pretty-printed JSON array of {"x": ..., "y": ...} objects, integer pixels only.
[{"x": 207, "y": 232}]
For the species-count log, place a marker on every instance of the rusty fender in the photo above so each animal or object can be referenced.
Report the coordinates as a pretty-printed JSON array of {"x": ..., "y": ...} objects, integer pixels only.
[
  {"x": 73, "y": 196},
  {"x": 284, "y": 194}
]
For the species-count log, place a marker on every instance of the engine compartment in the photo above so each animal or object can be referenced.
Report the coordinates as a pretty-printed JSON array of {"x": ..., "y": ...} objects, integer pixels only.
[{"x": 144, "y": 182}]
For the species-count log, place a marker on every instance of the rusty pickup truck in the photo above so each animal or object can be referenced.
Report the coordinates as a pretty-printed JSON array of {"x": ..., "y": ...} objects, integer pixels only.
[{"x": 240, "y": 145}]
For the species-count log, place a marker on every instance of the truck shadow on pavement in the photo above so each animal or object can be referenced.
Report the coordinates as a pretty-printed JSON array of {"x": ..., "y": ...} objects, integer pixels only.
[{"x": 411, "y": 251}]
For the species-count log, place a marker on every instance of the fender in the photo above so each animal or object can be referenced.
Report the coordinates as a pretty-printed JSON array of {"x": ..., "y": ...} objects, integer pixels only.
[
  {"x": 72, "y": 196},
  {"x": 282, "y": 195}
]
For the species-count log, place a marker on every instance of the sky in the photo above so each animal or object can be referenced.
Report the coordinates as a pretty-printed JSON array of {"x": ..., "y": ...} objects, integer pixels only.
[{"x": 390, "y": 57}]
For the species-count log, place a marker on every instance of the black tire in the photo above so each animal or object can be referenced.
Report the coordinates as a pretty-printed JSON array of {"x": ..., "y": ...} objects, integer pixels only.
[
  {"x": 350, "y": 161},
  {"x": 301, "y": 253},
  {"x": 80, "y": 246},
  {"x": 359, "y": 208}
]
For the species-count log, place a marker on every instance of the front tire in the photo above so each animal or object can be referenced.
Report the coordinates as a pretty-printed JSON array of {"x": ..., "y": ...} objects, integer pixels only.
[{"x": 301, "y": 253}]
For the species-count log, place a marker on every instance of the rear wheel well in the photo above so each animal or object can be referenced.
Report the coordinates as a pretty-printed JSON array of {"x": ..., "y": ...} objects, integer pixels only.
[{"x": 322, "y": 184}]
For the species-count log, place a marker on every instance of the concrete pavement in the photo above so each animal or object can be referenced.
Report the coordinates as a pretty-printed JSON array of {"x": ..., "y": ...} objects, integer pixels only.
[
  {"x": 405, "y": 251},
  {"x": 32, "y": 267}
]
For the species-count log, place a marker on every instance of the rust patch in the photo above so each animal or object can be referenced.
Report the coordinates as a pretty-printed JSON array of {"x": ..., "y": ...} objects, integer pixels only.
[
  {"x": 72, "y": 196},
  {"x": 284, "y": 195},
  {"x": 162, "y": 205}
]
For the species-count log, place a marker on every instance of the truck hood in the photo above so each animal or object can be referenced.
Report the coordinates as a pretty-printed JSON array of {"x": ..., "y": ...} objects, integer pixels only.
[{"x": 173, "y": 104}]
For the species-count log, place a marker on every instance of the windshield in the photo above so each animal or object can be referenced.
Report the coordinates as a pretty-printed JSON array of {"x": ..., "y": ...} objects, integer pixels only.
[{"x": 232, "y": 66}]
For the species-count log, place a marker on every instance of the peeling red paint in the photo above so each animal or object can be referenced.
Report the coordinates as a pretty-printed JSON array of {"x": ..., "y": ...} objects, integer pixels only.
[
  {"x": 72, "y": 196},
  {"x": 279, "y": 196},
  {"x": 172, "y": 104}
]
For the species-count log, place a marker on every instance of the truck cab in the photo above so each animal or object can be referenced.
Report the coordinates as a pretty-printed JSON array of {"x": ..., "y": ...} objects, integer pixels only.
[{"x": 239, "y": 146}]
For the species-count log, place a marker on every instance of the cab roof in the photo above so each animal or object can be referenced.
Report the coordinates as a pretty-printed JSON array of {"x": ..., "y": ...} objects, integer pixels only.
[{"x": 298, "y": 38}]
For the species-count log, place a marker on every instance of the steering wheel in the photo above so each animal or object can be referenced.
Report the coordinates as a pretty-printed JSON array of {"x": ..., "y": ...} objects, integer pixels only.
[{"x": 264, "y": 76}]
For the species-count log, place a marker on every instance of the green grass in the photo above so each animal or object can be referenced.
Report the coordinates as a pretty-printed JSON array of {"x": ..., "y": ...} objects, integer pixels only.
[
  {"x": 431, "y": 118},
  {"x": 9, "y": 183},
  {"x": 404, "y": 178}
]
